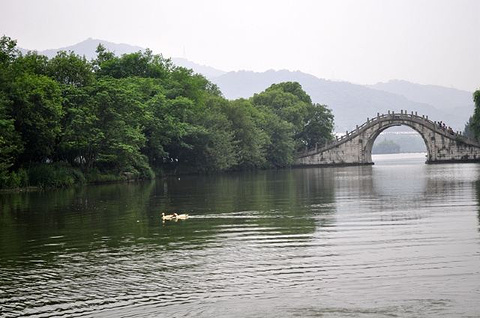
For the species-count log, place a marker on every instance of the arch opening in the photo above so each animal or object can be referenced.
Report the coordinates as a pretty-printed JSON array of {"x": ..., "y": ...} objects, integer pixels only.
[{"x": 395, "y": 142}]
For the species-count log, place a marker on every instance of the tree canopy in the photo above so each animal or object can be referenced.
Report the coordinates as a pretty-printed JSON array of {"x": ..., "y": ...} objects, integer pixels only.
[
  {"x": 138, "y": 114},
  {"x": 473, "y": 126}
]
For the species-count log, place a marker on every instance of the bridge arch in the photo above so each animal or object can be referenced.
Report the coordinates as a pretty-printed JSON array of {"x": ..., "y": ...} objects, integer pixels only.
[
  {"x": 355, "y": 147},
  {"x": 369, "y": 144}
]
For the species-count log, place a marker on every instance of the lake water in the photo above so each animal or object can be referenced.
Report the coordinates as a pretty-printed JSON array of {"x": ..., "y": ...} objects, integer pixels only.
[{"x": 397, "y": 239}]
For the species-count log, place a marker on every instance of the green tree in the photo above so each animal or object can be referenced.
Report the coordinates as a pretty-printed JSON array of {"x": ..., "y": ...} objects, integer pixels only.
[
  {"x": 140, "y": 64},
  {"x": 31, "y": 63},
  {"x": 280, "y": 147},
  {"x": 165, "y": 128},
  {"x": 81, "y": 131},
  {"x": 219, "y": 148},
  {"x": 11, "y": 145},
  {"x": 103, "y": 56},
  {"x": 250, "y": 139},
  {"x": 124, "y": 115},
  {"x": 70, "y": 69},
  {"x": 36, "y": 109},
  {"x": 467, "y": 131},
  {"x": 183, "y": 82},
  {"x": 292, "y": 121},
  {"x": 119, "y": 113},
  {"x": 213, "y": 143},
  {"x": 206, "y": 143},
  {"x": 318, "y": 127},
  {"x": 475, "y": 121},
  {"x": 8, "y": 50},
  {"x": 288, "y": 101}
]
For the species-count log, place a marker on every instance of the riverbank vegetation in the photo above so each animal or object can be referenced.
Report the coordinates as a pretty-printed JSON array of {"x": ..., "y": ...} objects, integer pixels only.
[
  {"x": 472, "y": 128},
  {"x": 66, "y": 120}
]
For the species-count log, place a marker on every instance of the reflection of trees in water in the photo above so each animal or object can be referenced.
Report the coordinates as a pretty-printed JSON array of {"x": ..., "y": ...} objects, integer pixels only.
[
  {"x": 283, "y": 199},
  {"x": 316, "y": 190},
  {"x": 261, "y": 191},
  {"x": 78, "y": 240},
  {"x": 25, "y": 216},
  {"x": 477, "y": 188},
  {"x": 45, "y": 224},
  {"x": 76, "y": 216}
]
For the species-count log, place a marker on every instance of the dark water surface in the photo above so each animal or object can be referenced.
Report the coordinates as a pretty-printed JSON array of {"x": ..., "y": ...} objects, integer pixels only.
[{"x": 398, "y": 239}]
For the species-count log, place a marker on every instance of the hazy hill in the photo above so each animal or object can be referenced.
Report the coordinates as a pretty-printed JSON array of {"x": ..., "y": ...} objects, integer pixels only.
[
  {"x": 351, "y": 103},
  {"x": 454, "y": 101},
  {"x": 88, "y": 47},
  {"x": 207, "y": 71}
]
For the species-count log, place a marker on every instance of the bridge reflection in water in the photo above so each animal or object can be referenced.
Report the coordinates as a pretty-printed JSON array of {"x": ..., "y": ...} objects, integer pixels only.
[{"x": 355, "y": 147}]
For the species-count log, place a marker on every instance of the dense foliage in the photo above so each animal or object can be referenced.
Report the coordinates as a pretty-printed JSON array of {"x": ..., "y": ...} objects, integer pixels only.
[
  {"x": 472, "y": 128},
  {"x": 66, "y": 120}
]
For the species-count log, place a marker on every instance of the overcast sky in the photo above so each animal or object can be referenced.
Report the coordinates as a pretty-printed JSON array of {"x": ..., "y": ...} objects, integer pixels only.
[{"x": 361, "y": 41}]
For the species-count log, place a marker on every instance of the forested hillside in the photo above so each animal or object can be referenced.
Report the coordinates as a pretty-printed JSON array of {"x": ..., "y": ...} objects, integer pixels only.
[{"x": 68, "y": 120}]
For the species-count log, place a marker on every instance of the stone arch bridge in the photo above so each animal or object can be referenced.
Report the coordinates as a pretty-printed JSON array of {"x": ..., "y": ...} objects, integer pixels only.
[{"x": 355, "y": 147}]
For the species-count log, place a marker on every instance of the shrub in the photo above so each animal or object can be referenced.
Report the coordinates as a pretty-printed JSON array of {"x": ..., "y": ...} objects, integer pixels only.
[
  {"x": 57, "y": 175},
  {"x": 11, "y": 180},
  {"x": 95, "y": 176}
]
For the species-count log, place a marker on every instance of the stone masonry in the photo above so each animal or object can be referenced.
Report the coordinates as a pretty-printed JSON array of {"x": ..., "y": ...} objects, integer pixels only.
[{"x": 355, "y": 147}]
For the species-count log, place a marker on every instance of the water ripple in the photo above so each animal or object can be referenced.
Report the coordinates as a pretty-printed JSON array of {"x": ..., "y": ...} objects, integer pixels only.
[{"x": 339, "y": 246}]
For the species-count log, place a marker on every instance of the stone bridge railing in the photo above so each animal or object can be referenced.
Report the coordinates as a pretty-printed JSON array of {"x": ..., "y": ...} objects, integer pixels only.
[{"x": 402, "y": 116}]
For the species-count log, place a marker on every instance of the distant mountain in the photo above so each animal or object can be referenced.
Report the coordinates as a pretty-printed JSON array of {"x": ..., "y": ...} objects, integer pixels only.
[
  {"x": 351, "y": 104},
  {"x": 454, "y": 101},
  {"x": 207, "y": 71},
  {"x": 88, "y": 47}
]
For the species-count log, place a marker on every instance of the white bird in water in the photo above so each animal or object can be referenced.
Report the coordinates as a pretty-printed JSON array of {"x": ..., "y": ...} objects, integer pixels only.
[
  {"x": 180, "y": 216},
  {"x": 167, "y": 217}
]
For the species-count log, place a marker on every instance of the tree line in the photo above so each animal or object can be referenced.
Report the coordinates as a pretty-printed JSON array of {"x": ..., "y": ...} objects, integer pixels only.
[{"x": 68, "y": 120}]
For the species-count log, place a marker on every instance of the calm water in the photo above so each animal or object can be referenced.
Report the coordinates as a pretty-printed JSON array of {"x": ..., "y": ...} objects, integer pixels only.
[{"x": 398, "y": 239}]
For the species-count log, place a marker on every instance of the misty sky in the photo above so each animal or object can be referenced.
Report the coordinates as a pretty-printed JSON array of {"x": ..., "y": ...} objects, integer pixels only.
[{"x": 361, "y": 41}]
